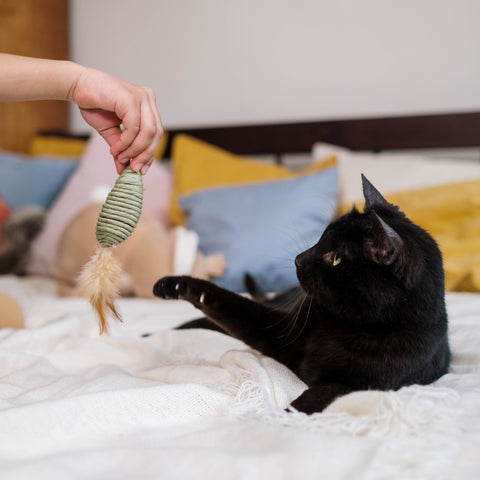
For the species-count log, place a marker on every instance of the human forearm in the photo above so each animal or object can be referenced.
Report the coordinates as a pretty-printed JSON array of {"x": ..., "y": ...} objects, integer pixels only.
[{"x": 25, "y": 78}]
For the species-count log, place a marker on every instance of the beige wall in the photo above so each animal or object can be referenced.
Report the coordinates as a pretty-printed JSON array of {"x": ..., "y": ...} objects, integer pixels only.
[{"x": 235, "y": 61}]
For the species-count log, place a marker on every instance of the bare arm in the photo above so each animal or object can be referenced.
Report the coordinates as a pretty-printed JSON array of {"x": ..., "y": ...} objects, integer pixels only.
[{"x": 105, "y": 103}]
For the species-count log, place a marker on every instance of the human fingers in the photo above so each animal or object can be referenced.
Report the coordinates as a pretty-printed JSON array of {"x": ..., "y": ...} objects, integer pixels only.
[
  {"x": 131, "y": 126},
  {"x": 135, "y": 118},
  {"x": 142, "y": 150},
  {"x": 143, "y": 161},
  {"x": 111, "y": 135},
  {"x": 153, "y": 104}
]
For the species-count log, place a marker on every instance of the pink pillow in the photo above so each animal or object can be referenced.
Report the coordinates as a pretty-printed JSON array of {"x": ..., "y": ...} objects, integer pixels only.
[{"x": 96, "y": 169}]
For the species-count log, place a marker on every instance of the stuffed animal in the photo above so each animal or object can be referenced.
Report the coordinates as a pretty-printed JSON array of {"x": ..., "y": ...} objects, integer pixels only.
[
  {"x": 151, "y": 252},
  {"x": 18, "y": 232},
  {"x": 11, "y": 313}
]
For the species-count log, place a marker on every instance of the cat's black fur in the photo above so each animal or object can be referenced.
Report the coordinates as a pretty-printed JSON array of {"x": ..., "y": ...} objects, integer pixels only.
[{"x": 370, "y": 313}]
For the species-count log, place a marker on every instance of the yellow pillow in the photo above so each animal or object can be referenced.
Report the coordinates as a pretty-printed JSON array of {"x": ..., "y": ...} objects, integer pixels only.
[
  {"x": 451, "y": 214},
  {"x": 74, "y": 147},
  {"x": 57, "y": 145},
  {"x": 198, "y": 165},
  {"x": 161, "y": 147}
]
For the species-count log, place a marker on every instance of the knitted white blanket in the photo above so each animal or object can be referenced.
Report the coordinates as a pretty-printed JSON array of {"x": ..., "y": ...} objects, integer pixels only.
[{"x": 198, "y": 404}]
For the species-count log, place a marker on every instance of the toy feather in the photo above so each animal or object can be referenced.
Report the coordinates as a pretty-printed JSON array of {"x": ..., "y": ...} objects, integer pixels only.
[{"x": 118, "y": 218}]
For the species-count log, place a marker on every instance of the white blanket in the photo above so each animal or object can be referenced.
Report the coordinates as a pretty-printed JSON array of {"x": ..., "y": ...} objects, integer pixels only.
[{"x": 198, "y": 404}]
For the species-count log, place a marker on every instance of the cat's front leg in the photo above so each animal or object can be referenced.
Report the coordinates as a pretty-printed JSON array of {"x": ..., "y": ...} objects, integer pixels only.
[
  {"x": 241, "y": 317},
  {"x": 318, "y": 397},
  {"x": 191, "y": 289},
  {"x": 220, "y": 305}
]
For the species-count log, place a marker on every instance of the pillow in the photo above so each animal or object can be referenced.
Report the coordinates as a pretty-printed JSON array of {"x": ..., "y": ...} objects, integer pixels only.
[
  {"x": 96, "y": 169},
  {"x": 451, "y": 214},
  {"x": 66, "y": 145},
  {"x": 198, "y": 165},
  {"x": 162, "y": 146},
  {"x": 63, "y": 145},
  {"x": 32, "y": 181},
  {"x": 391, "y": 172},
  {"x": 261, "y": 227}
]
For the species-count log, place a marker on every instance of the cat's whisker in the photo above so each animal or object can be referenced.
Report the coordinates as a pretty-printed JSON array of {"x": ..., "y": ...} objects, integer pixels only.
[
  {"x": 295, "y": 316},
  {"x": 293, "y": 323},
  {"x": 304, "y": 323},
  {"x": 287, "y": 312},
  {"x": 300, "y": 298}
]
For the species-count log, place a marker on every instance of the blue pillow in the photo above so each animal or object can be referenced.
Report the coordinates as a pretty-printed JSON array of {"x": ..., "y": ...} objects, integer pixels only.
[
  {"x": 260, "y": 228},
  {"x": 35, "y": 181}
]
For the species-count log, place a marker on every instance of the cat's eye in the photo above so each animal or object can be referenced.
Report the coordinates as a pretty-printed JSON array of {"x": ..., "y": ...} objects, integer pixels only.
[{"x": 336, "y": 260}]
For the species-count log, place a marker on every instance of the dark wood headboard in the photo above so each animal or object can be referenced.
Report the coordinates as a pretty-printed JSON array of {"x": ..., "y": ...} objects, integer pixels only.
[{"x": 453, "y": 130}]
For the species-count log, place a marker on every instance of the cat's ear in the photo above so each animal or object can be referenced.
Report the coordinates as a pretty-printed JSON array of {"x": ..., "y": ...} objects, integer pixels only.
[
  {"x": 385, "y": 245},
  {"x": 372, "y": 195}
]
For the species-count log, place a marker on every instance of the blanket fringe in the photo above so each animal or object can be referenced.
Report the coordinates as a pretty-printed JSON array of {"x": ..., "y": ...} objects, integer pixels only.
[{"x": 99, "y": 280}]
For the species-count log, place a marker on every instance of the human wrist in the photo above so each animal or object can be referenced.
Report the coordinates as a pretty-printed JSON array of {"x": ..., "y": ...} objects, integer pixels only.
[{"x": 69, "y": 75}]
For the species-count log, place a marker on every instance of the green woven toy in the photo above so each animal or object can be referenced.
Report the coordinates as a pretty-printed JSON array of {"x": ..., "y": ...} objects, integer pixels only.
[{"x": 117, "y": 220}]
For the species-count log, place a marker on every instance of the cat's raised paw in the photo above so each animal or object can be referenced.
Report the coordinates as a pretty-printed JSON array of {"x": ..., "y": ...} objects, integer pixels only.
[
  {"x": 180, "y": 288},
  {"x": 169, "y": 287}
]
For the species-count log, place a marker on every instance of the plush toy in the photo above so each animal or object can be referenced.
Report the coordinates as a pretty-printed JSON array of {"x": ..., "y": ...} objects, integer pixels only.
[
  {"x": 11, "y": 314},
  {"x": 18, "y": 232},
  {"x": 152, "y": 251}
]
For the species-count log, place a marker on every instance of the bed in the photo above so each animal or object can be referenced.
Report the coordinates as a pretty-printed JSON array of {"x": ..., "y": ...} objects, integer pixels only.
[{"x": 149, "y": 401}]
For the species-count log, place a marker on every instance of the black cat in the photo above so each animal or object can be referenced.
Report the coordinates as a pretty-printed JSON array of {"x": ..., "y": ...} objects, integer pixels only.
[{"x": 370, "y": 313}]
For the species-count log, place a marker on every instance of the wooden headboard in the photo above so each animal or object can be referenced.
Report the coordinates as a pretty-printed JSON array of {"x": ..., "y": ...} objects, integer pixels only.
[{"x": 453, "y": 130}]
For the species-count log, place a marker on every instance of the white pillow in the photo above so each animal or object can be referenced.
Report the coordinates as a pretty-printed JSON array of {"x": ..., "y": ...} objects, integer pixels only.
[{"x": 391, "y": 172}]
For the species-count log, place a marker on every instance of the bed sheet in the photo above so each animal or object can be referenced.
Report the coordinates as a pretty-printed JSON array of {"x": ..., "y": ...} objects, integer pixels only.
[{"x": 199, "y": 404}]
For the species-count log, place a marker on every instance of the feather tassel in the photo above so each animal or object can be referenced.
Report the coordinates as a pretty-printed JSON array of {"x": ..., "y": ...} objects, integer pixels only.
[{"x": 99, "y": 281}]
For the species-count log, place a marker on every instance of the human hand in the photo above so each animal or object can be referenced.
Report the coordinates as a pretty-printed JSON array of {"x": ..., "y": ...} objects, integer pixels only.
[{"x": 106, "y": 103}]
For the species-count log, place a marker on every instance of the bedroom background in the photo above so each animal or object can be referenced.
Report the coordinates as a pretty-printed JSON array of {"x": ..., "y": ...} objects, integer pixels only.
[
  {"x": 198, "y": 404},
  {"x": 229, "y": 62},
  {"x": 232, "y": 62},
  {"x": 219, "y": 63}
]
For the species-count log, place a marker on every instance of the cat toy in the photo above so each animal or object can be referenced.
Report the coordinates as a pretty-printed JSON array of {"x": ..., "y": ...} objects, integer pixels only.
[{"x": 118, "y": 218}]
